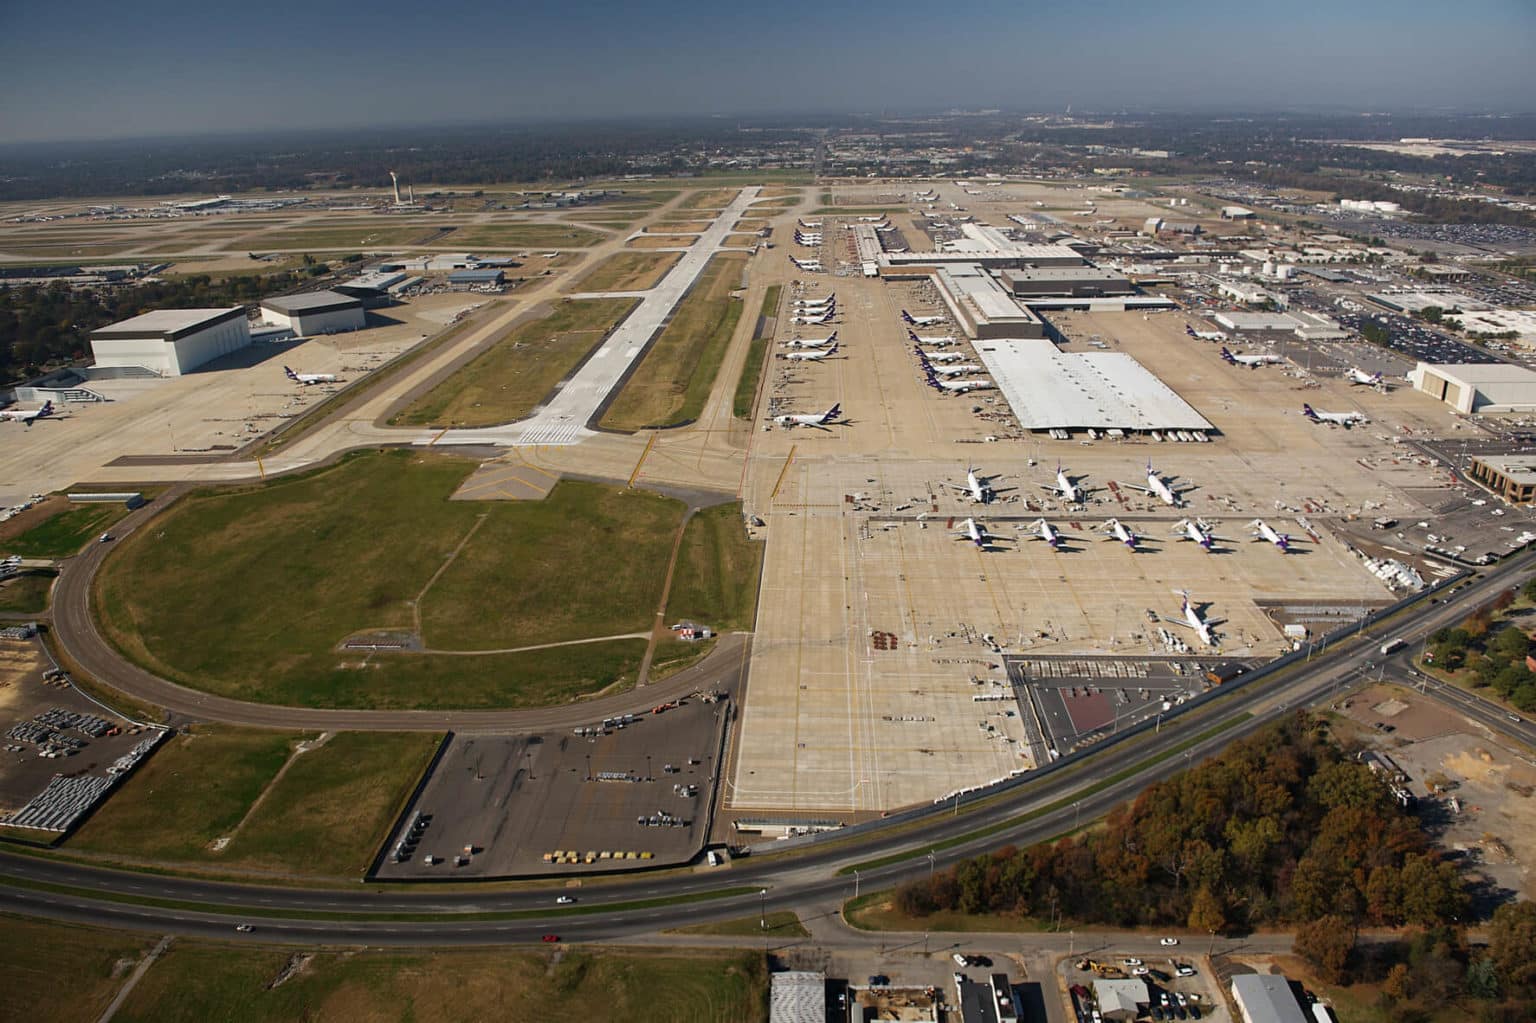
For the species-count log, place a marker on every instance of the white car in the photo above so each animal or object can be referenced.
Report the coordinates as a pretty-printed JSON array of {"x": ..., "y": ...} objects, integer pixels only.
[
  {"x": 1185, "y": 971},
  {"x": 1138, "y": 971},
  {"x": 1169, "y": 942},
  {"x": 564, "y": 900},
  {"x": 1130, "y": 962}
]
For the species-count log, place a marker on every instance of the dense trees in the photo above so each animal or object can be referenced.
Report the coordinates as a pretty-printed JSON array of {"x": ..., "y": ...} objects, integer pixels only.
[
  {"x": 1282, "y": 829},
  {"x": 42, "y": 326},
  {"x": 1491, "y": 649}
]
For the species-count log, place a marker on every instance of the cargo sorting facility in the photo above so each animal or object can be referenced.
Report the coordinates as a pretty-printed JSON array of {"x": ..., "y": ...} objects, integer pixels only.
[{"x": 1049, "y": 389}]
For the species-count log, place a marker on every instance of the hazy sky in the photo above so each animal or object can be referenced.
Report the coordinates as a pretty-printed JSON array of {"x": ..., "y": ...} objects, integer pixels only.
[{"x": 98, "y": 69}]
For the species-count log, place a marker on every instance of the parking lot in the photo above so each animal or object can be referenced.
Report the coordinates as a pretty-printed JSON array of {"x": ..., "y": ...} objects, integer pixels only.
[
  {"x": 1179, "y": 985},
  {"x": 60, "y": 751},
  {"x": 628, "y": 794}
]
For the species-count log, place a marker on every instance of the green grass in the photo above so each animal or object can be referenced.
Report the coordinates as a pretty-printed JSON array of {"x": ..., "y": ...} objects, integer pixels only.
[
  {"x": 715, "y": 582},
  {"x": 326, "y": 816},
  {"x": 629, "y": 271},
  {"x": 66, "y": 532},
  {"x": 339, "y": 236},
  {"x": 519, "y": 370},
  {"x": 60, "y": 973},
  {"x": 752, "y": 369},
  {"x": 198, "y": 982},
  {"x": 782, "y": 924},
  {"x": 599, "y": 580},
  {"x": 874, "y": 911},
  {"x": 562, "y": 236},
  {"x": 302, "y": 562},
  {"x": 193, "y": 790},
  {"x": 674, "y": 378},
  {"x": 27, "y": 593},
  {"x": 329, "y": 813}
]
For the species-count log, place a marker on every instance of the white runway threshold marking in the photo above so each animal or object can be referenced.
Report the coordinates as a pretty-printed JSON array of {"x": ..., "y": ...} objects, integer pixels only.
[{"x": 564, "y": 419}]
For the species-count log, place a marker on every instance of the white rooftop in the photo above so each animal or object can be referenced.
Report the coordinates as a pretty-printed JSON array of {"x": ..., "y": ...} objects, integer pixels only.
[
  {"x": 1048, "y": 389},
  {"x": 797, "y": 996},
  {"x": 165, "y": 321}
]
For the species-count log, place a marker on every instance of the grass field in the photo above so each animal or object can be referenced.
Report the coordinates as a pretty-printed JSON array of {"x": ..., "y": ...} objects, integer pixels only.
[
  {"x": 66, "y": 532},
  {"x": 782, "y": 924},
  {"x": 195, "y": 789},
  {"x": 547, "y": 236},
  {"x": 876, "y": 912},
  {"x": 629, "y": 271},
  {"x": 678, "y": 222},
  {"x": 675, "y": 375},
  {"x": 338, "y": 236},
  {"x": 326, "y": 816},
  {"x": 752, "y": 368},
  {"x": 661, "y": 241},
  {"x": 194, "y": 983},
  {"x": 601, "y": 579},
  {"x": 27, "y": 593},
  {"x": 711, "y": 199},
  {"x": 507, "y": 380},
  {"x": 716, "y": 579},
  {"x": 63, "y": 973},
  {"x": 269, "y": 552}
]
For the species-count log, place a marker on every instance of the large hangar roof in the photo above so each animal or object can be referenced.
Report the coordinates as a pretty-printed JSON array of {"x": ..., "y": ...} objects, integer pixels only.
[
  {"x": 167, "y": 324},
  {"x": 1049, "y": 389}
]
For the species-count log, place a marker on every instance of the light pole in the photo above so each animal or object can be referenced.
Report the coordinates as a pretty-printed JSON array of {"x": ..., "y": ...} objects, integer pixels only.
[
  {"x": 1077, "y": 813},
  {"x": 762, "y": 910},
  {"x": 930, "y": 866},
  {"x": 855, "y": 884}
]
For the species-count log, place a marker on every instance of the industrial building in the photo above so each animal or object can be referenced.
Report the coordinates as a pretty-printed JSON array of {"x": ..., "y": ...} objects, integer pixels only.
[
  {"x": 1121, "y": 999},
  {"x": 1236, "y": 213},
  {"x": 984, "y": 246},
  {"x": 318, "y": 312},
  {"x": 1266, "y": 998},
  {"x": 1510, "y": 476},
  {"x": 1306, "y": 325},
  {"x": 1241, "y": 291},
  {"x": 1478, "y": 387},
  {"x": 477, "y": 278},
  {"x": 374, "y": 289},
  {"x": 797, "y": 996},
  {"x": 1065, "y": 281},
  {"x": 1052, "y": 390},
  {"x": 170, "y": 342},
  {"x": 981, "y": 305}
]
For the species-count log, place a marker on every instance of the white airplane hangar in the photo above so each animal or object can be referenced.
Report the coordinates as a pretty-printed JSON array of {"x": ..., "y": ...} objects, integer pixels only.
[{"x": 1049, "y": 389}]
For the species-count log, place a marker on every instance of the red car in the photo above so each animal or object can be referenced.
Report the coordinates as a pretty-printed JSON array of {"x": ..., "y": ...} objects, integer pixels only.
[{"x": 551, "y": 937}]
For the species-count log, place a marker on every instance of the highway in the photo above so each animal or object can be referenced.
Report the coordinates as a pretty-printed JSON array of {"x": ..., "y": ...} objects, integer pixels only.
[{"x": 810, "y": 876}]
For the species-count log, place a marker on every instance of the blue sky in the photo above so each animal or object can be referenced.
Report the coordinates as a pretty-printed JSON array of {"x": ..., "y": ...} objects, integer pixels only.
[{"x": 92, "y": 69}]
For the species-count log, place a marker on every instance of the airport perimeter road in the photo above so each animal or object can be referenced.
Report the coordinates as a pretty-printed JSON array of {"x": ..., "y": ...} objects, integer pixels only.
[
  {"x": 75, "y": 631},
  {"x": 564, "y": 420},
  {"x": 1034, "y": 811}
]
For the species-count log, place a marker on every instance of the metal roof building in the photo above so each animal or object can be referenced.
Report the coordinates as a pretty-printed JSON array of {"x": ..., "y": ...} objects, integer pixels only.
[
  {"x": 1120, "y": 999},
  {"x": 171, "y": 342},
  {"x": 1049, "y": 389},
  {"x": 797, "y": 996},
  {"x": 1266, "y": 998},
  {"x": 1478, "y": 387},
  {"x": 317, "y": 312},
  {"x": 1044, "y": 281},
  {"x": 981, "y": 305},
  {"x": 476, "y": 277}
]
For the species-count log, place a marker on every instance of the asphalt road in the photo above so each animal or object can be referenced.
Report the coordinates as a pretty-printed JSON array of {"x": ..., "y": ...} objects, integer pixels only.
[
  {"x": 809, "y": 876},
  {"x": 74, "y": 629}
]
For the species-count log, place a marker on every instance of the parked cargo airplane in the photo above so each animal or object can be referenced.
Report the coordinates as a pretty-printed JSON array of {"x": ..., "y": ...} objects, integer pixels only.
[
  {"x": 812, "y": 356},
  {"x": 953, "y": 371},
  {"x": 1344, "y": 419},
  {"x": 978, "y": 488},
  {"x": 1116, "y": 530},
  {"x": 1045, "y": 531},
  {"x": 920, "y": 321},
  {"x": 1193, "y": 620},
  {"x": 28, "y": 418},
  {"x": 811, "y": 342},
  {"x": 1356, "y": 375},
  {"x": 973, "y": 531},
  {"x": 1205, "y": 335},
  {"x": 1157, "y": 487},
  {"x": 812, "y": 318},
  {"x": 1196, "y": 530},
  {"x": 818, "y": 420},
  {"x": 1065, "y": 487},
  {"x": 938, "y": 356},
  {"x": 1264, "y": 531},
  {"x": 961, "y": 386},
  {"x": 936, "y": 340},
  {"x": 309, "y": 378},
  {"x": 824, "y": 300},
  {"x": 1251, "y": 361}
]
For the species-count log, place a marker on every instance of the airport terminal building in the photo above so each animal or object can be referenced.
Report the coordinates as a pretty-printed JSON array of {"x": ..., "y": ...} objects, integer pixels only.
[
  {"x": 170, "y": 342},
  {"x": 319, "y": 312}
]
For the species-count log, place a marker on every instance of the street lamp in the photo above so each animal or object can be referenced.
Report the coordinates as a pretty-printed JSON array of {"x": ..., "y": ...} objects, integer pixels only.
[
  {"x": 855, "y": 884},
  {"x": 762, "y": 913},
  {"x": 930, "y": 866}
]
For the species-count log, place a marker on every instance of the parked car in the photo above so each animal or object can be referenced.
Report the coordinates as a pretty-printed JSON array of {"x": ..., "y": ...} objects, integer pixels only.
[
  {"x": 1168, "y": 942},
  {"x": 550, "y": 937}
]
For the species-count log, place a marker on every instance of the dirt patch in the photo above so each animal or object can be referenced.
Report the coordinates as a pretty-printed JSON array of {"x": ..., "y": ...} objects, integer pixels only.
[{"x": 36, "y": 515}]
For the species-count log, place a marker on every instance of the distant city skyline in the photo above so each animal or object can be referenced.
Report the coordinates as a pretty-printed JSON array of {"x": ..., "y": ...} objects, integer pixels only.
[{"x": 94, "y": 70}]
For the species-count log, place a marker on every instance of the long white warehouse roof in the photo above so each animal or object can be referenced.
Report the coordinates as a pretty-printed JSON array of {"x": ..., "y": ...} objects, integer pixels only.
[{"x": 1048, "y": 389}]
